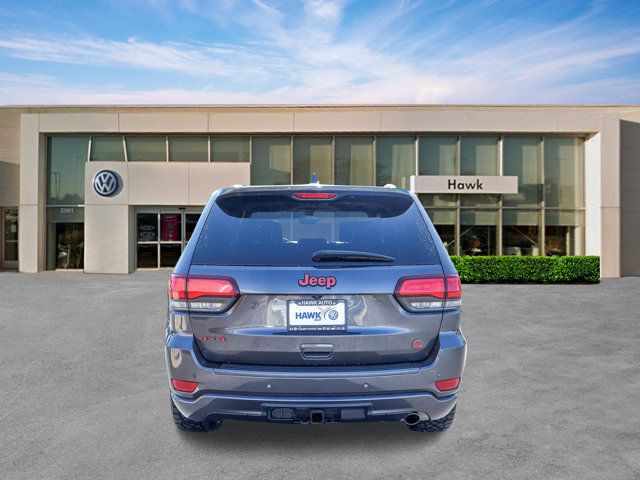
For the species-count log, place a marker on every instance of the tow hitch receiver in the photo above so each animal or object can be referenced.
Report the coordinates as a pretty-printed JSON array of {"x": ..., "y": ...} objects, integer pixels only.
[{"x": 316, "y": 415}]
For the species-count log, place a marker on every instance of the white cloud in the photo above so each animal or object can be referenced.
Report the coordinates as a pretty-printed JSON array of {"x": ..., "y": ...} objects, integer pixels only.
[
  {"x": 312, "y": 58},
  {"x": 197, "y": 60},
  {"x": 324, "y": 9}
]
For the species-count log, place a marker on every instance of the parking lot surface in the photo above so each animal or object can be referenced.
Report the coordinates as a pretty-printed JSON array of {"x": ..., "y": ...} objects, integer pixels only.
[{"x": 551, "y": 390}]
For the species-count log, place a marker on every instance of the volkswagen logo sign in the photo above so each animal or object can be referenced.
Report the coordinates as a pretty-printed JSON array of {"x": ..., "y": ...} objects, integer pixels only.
[{"x": 106, "y": 183}]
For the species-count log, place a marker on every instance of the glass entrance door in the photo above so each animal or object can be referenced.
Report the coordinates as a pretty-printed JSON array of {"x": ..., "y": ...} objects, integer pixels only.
[
  {"x": 9, "y": 225},
  {"x": 161, "y": 235},
  {"x": 65, "y": 238}
]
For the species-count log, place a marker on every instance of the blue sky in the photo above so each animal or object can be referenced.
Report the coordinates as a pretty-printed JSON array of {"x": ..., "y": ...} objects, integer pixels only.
[{"x": 319, "y": 51}]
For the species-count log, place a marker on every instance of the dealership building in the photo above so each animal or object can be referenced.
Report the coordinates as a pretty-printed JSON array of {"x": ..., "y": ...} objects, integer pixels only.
[{"x": 114, "y": 189}]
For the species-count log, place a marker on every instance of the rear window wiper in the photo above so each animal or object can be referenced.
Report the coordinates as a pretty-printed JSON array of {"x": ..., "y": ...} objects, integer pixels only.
[{"x": 349, "y": 256}]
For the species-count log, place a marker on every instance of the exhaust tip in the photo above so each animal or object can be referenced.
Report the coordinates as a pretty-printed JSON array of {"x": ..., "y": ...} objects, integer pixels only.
[{"x": 415, "y": 417}]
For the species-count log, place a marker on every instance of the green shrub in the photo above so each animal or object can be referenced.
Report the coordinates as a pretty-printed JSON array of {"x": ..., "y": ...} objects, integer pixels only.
[{"x": 520, "y": 269}]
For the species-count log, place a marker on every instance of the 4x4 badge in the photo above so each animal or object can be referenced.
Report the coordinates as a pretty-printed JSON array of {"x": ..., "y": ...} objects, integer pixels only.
[{"x": 311, "y": 281}]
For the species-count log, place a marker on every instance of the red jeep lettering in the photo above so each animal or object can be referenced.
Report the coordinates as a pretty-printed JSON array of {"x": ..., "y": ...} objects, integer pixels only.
[{"x": 311, "y": 281}]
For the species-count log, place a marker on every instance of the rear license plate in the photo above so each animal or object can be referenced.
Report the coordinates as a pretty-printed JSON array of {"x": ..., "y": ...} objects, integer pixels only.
[{"x": 324, "y": 315}]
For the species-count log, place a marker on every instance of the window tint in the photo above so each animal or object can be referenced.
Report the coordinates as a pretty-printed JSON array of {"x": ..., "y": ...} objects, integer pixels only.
[
  {"x": 65, "y": 169},
  {"x": 271, "y": 161},
  {"x": 395, "y": 160},
  {"x": 230, "y": 149},
  {"x": 438, "y": 155},
  {"x": 188, "y": 149},
  {"x": 312, "y": 155},
  {"x": 107, "y": 149},
  {"x": 479, "y": 156},
  {"x": 277, "y": 229},
  {"x": 522, "y": 158},
  {"x": 146, "y": 149},
  {"x": 563, "y": 171},
  {"x": 354, "y": 160}
]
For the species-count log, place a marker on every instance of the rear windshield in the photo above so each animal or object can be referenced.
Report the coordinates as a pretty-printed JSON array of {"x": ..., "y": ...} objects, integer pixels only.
[{"x": 264, "y": 228}]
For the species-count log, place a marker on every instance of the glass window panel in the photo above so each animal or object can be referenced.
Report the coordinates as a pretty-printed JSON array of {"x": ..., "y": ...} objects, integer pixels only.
[
  {"x": 277, "y": 231},
  {"x": 395, "y": 160},
  {"x": 564, "y": 171},
  {"x": 521, "y": 232},
  {"x": 479, "y": 155},
  {"x": 146, "y": 149},
  {"x": 169, "y": 254},
  {"x": 107, "y": 149},
  {"x": 11, "y": 224},
  {"x": 188, "y": 149},
  {"x": 478, "y": 232},
  {"x": 171, "y": 227},
  {"x": 312, "y": 155},
  {"x": 147, "y": 227},
  {"x": 564, "y": 232},
  {"x": 438, "y": 155},
  {"x": 437, "y": 200},
  {"x": 229, "y": 149},
  {"x": 147, "y": 255},
  {"x": 65, "y": 170},
  {"x": 478, "y": 200},
  {"x": 65, "y": 238},
  {"x": 190, "y": 222},
  {"x": 10, "y": 235},
  {"x": 271, "y": 161},
  {"x": 444, "y": 222},
  {"x": 65, "y": 214},
  {"x": 522, "y": 158},
  {"x": 354, "y": 161},
  {"x": 11, "y": 251}
]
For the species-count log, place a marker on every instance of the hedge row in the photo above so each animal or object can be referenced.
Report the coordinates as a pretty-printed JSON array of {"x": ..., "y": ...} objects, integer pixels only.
[{"x": 521, "y": 269}]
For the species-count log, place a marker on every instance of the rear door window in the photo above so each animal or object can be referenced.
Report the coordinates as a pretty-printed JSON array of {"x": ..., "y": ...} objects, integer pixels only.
[{"x": 277, "y": 229}]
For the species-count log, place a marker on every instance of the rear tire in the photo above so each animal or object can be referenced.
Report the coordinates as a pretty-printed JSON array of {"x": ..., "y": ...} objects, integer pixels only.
[
  {"x": 187, "y": 425},
  {"x": 436, "y": 425}
]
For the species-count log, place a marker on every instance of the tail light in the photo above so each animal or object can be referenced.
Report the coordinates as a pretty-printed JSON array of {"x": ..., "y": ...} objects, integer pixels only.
[
  {"x": 423, "y": 294},
  {"x": 201, "y": 293},
  {"x": 184, "y": 385},
  {"x": 450, "y": 384}
]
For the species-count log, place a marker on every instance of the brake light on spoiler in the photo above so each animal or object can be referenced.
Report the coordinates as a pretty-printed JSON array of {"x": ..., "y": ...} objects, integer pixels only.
[
  {"x": 198, "y": 293},
  {"x": 315, "y": 195},
  {"x": 427, "y": 293}
]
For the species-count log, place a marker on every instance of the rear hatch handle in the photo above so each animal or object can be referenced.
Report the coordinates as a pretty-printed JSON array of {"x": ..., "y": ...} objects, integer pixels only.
[{"x": 315, "y": 351}]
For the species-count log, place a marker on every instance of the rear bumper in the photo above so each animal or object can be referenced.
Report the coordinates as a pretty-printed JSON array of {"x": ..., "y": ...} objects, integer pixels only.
[
  {"x": 382, "y": 392},
  {"x": 363, "y": 408}
]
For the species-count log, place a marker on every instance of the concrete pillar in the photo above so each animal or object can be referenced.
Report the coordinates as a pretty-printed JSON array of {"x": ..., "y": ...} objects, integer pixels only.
[
  {"x": 593, "y": 197},
  {"x": 106, "y": 223},
  {"x": 31, "y": 214},
  {"x": 610, "y": 193}
]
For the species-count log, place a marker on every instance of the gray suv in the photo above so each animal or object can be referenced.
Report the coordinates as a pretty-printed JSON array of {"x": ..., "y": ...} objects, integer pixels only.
[{"x": 314, "y": 304}]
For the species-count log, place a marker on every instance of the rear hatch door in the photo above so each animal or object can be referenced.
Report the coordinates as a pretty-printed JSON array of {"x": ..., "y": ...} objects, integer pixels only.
[{"x": 315, "y": 279}]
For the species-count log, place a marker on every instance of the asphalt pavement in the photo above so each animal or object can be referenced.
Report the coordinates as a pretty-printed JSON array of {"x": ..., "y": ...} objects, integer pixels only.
[{"x": 551, "y": 390}]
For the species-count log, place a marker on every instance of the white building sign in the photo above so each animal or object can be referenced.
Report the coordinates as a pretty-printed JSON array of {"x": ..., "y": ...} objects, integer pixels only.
[{"x": 463, "y": 184}]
